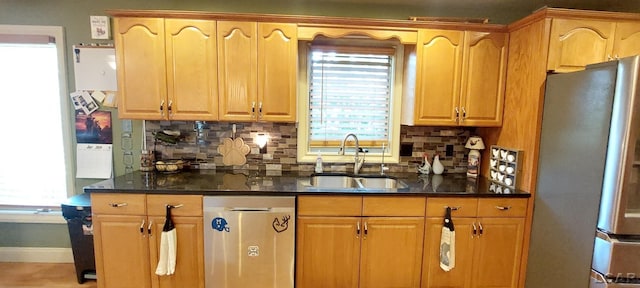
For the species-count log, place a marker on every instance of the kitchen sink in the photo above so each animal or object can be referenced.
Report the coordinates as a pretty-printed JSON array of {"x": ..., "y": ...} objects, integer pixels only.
[
  {"x": 334, "y": 181},
  {"x": 362, "y": 183}
]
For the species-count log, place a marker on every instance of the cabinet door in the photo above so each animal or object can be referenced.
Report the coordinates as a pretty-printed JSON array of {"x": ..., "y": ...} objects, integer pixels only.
[
  {"x": 391, "y": 252},
  {"x": 432, "y": 275},
  {"x": 328, "y": 252},
  {"x": 192, "y": 79},
  {"x": 498, "y": 251},
  {"x": 577, "y": 43},
  {"x": 189, "y": 253},
  {"x": 237, "y": 70},
  {"x": 439, "y": 63},
  {"x": 142, "y": 89},
  {"x": 277, "y": 72},
  {"x": 122, "y": 251},
  {"x": 627, "y": 39},
  {"x": 483, "y": 78}
]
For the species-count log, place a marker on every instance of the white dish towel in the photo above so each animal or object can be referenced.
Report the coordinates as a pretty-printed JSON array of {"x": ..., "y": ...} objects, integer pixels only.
[
  {"x": 448, "y": 243},
  {"x": 168, "y": 247}
]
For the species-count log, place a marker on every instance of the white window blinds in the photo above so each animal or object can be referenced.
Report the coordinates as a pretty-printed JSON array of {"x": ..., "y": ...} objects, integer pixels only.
[
  {"x": 34, "y": 169},
  {"x": 350, "y": 92}
]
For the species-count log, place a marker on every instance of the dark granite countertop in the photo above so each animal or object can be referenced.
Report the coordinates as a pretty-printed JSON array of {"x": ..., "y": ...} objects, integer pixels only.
[{"x": 217, "y": 182}]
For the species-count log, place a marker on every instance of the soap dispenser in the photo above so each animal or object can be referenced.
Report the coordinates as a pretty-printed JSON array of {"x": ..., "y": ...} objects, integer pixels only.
[{"x": 319, "y": 163}]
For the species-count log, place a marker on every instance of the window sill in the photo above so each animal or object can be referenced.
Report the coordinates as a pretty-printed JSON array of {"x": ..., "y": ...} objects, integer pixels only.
[{"x": 31, "y": 216}]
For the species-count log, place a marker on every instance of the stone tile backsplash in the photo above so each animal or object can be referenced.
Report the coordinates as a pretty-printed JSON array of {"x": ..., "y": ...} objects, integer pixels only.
[{"x": 200, "y": 140}]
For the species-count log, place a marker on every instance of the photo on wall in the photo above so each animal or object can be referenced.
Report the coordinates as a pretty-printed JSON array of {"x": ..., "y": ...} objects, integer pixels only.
[{"x": 94, "y": 128}]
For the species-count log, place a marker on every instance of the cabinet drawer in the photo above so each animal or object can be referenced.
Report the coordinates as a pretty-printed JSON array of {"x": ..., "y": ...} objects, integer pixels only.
[
  {"x": 502, "y": 207},
  {"x": 330, "y": 205},
  {"x": 393, "y": 206},
  {"x": 191, "y": 205},
  {"x": 118, "y": 204},
  {"x": 461, "y": 207}
]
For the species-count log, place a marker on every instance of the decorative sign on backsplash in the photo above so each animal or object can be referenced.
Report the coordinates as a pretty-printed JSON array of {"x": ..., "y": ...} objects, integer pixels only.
[{"x": 504, "y": 167}]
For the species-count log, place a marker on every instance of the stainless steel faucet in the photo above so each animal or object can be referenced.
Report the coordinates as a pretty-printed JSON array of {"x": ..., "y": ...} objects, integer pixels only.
[
  {"x": 357, "y": 161},
  {"x": 382, "y": 166}
]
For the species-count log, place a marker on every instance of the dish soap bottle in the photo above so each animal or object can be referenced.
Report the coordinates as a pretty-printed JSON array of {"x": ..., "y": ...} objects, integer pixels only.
[{"x": 319, "y": 163}]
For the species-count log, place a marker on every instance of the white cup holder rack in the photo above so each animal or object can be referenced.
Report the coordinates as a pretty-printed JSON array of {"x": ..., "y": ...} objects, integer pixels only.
[{"x": 504, "y": 167}]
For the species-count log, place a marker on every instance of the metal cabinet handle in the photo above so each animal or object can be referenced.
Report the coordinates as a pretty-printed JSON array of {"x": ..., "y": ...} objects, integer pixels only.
[
  {"x": 503, "y": 208},
  {"x": 609, "y": 57},
  {"x": 116, "y": 205},
  {"x": 142, "y": 227},
  {"x": 456, "y": 208},
  {"x": 464, "y": 113},
  {"x": 162, "y": 108},
  {"x": 366, "y": 230},
  {"x": 149, "y": 228},
  {"x": 169, "y": 108},
  {"x": 174, "y": 206},
  {"x": 480, "y": 228},
  {"x": 475, "y": 230},
  {"x": 358, "y": 229},
  {"x": 253, "y": 109},
  {"x": 260, "y": 110},
  {"x": 457, "y": 114}
]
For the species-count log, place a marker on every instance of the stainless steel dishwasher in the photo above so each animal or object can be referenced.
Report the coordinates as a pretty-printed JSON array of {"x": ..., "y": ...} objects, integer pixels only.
[{"x": 249, "y": 241}]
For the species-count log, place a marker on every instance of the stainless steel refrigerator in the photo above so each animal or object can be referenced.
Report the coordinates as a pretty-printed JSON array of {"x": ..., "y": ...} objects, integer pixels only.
[{"x": 586, "y": 219}]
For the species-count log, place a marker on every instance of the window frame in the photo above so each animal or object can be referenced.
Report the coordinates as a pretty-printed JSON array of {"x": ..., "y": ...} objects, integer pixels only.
[
  {"x": 307, "y": 154},
  {"x": 57, "y": 32}
]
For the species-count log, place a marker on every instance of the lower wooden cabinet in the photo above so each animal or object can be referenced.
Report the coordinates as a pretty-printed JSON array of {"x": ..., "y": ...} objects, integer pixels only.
[
  {"x": 488, "y": 242},
  {"x": 328, "y": 252},
  {"x": 122, "y": 251},
  {"x": 359, "y": 251},
  {"x": 127, "y": 233}
]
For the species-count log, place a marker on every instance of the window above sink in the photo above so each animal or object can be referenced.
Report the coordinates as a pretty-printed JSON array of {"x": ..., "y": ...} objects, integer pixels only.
[{"x": 334, "y": 102}]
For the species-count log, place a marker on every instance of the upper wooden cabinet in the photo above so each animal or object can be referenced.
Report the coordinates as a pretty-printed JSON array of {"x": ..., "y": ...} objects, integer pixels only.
[
  {"x": 192, "y": 77},
  {"x": 577, "y": 43},
  {"x": 140, "y": 58},
  {"x": 166, "y": 69},
  {"x": 257, "y": 64},
  {"x": 483, "y": 79},
  {"x": 460, "y": 78},
  {"x": 627, "y": 39},
  {"x": 438, "y": 73}
]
